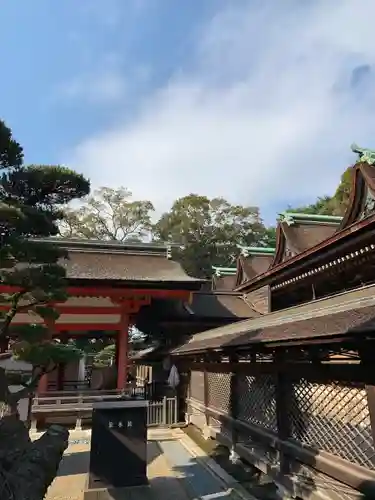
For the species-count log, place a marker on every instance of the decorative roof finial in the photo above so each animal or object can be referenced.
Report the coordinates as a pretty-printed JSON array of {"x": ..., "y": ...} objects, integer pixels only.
[{"x": 364, "y": 155}]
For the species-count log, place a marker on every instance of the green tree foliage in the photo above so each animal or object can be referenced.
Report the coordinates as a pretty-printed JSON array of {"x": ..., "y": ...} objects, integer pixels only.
[
  {"x": 92, "y": 346},
  {"x": 109, "y": 214},
  {"x": 106, "y": 356},
  {"x": 331, "y": 205},
  {"x": 31, "y": 201},
  {"x": 31, "y": 198},
  {"x": 209, "y": 230}
]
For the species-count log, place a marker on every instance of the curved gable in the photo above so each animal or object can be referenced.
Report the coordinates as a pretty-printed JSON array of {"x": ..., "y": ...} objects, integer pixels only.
[
  {"x": 296, "y": 233},
  {"x": 362, "y": 195},
  {"x": 252, "y": 262}
]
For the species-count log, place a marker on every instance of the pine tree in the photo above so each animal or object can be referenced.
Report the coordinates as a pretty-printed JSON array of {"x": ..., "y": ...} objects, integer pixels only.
[{"x": 31, "y": 201}]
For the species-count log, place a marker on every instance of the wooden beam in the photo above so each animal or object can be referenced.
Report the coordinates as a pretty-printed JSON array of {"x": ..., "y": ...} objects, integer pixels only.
[
  {"x": 67, "y": 309},
  {"x": 353, "y": 372},
  {"x": 81, "y": 327},
  {"x": 125, "y": 292}
]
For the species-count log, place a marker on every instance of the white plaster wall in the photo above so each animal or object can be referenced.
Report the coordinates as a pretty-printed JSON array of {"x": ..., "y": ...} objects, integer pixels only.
[
  {"x": 23, "y": 404},
  {"x": 14, "y": 365}
]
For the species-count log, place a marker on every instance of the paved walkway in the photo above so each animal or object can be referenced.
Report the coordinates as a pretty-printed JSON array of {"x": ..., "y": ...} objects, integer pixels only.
[{"x": 173, "y": 472}]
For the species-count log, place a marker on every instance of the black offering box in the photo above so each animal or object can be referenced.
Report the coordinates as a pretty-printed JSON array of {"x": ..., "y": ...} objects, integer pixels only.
[{"x": 118, "y": 455}]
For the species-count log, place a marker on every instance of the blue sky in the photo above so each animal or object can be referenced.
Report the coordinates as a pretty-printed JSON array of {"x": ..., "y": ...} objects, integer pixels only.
[{"x": 255, "y": 101}]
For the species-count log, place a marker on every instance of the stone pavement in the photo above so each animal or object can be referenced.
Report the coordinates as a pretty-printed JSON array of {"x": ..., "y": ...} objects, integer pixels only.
[
  {"x": 71, "y": 479},
  {"x": 173, "y": 472}
]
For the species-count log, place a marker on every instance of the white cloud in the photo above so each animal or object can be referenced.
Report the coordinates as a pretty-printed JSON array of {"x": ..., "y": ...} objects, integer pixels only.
[{"x": 265, "y": 115}]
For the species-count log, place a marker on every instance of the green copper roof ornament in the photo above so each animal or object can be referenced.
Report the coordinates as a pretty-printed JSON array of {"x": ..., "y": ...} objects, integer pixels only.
[
  {"x": 364, "y": 155},
  {"x": 224, "y": 271},
  {"x": 251, "y": 251},
  {"x": 291, "y": 218}
]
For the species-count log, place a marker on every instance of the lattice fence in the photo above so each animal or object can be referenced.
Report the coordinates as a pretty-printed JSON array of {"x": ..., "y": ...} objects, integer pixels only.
[
  {"x": 334, "y": 418},
  {"x": 218, "y": 391},
  {"x": 257, "y": 401},
  {"x": 196, "y": 390}
]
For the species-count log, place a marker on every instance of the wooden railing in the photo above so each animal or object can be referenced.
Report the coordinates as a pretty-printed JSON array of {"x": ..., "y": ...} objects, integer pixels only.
[{"x": 79, "y": 405}]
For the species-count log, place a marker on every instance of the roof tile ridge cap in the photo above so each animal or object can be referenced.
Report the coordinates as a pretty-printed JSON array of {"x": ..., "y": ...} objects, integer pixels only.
[
  {"x": 292, "y": 218},
  {"x": 116, "y": 251},
  {"x": 316, "y": 224}
]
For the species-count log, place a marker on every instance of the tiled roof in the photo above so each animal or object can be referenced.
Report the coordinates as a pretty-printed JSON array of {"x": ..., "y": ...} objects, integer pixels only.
[
  {"x": 223, "y": 282},
  {"x": 301, "y": 237},
  {"x": 335, "y": 316},
  {"x": 222, "y": 305},
  {"x": 113, "y": 260},
  {"x": 122, "y": 266},
  {"x": 255, "y": 264},
  {"x": 204, "y": 305}
]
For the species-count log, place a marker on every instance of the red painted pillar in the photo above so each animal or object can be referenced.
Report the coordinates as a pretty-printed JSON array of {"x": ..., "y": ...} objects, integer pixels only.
[
  {"x": 43, "y": 385},
  {"x": 122, "y": 351},
  {"x": 43, "y": 382}
]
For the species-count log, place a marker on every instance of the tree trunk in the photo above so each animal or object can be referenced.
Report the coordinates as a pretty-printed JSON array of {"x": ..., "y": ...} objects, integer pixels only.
[{"x": 26, "y": 468}]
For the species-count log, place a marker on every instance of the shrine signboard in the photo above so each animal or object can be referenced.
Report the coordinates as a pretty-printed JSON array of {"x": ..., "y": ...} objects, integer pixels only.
[{"x": 118, "y": 455}]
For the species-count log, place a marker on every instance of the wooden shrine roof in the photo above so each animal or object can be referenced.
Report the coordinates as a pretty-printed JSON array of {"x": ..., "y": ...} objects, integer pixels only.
[
  {"x": 343, "y": 314},
  {"x": 224, "y": 282},
  {"x": 296, "y": 233},
  {"x": 204, "y": 305},
  {"x": 300, "y": 241},
  {"x": 221, "y": 304},
  {"x": 114, "y": 261},
  {"x": 253, "y": 262}
]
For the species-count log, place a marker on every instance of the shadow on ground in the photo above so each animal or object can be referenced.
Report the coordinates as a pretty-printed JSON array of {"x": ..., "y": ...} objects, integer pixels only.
[
  {"x": 77, "y": 462},
  {"x": 248, "y": 476},
  {"x": 74, "y": 463}
]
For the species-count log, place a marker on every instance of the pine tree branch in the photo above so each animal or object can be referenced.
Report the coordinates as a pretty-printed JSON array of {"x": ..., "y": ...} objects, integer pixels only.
[
  {"x": 32, "y": 385},
  {"x": 11, "y": 313}
]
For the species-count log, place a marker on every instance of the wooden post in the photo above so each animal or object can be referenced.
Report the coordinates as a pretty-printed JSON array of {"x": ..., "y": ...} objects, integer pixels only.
[
  {"x": 366, "y": 356},
  {"x": 43, "y": 382},
  {"x": 122, "y": 348},
  {"x": 283, "y": 404},
  {"x": 60, "y": 379},
  {"x": 206, "y": 394},
  {"x": 43, "y": 385},
  {"x": 234, "y": 396}
]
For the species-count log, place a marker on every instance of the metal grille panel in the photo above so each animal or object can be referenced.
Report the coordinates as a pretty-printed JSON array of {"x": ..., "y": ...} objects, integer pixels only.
[
  {"x": 218, "y": 391},
  {"x": 197, "y": 386},
  {"x": 334, "y": 418},
  {"x": 257, "y": 401}
]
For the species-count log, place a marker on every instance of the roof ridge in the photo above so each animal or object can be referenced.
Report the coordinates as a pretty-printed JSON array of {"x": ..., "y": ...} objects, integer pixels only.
[
  {"x": 291, "y": 218},
  {"x": 81, "y": 244},
  {"x": 254, "y": 251},
  {"x": 224, "y": 271},
  {"x": 115, "y": 251}
]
